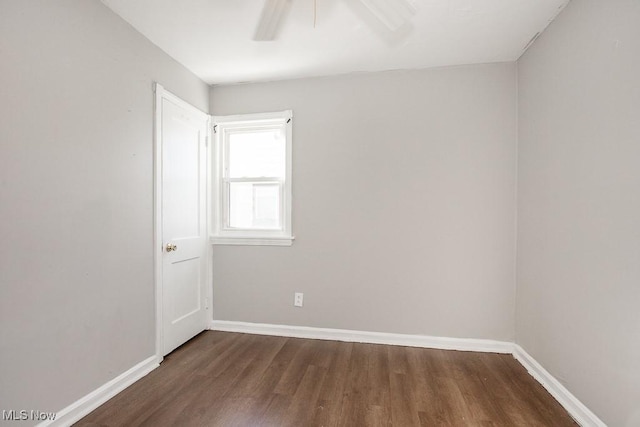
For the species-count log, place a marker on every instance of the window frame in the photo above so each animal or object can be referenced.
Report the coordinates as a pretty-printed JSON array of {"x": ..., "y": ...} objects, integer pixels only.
[{"x": 222, "y": 234}]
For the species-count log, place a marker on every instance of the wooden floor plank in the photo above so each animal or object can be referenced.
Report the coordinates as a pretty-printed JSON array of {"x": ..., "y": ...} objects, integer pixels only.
[
  {"x": 230, "y": 379},
  {"x": 295, "y": 369},
  {"x": 248, "y": 380},
  {"x": 403, "y": 403},
  {"x": 332, "y": 392},
  {"x": 378, "y": 385},
  {"x": 354, "y": 406},
  {"x": 304, "y": 404}
]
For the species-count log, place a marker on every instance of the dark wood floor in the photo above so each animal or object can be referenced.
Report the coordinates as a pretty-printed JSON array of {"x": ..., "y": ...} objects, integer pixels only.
[{"x": 228, "y": 379}]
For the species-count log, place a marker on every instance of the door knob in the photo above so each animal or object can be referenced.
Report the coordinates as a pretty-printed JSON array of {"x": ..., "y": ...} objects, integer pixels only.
[{"x": 171, "y": 247}]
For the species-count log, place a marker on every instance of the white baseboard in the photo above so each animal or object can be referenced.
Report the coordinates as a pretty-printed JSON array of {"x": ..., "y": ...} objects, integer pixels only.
[
  {"x": 462, "y": 344},
  {"x": 580, "y": 413},
  {"x": 91, "y": 401}
]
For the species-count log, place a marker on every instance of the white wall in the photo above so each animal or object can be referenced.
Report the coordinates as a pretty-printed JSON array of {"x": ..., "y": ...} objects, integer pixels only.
[
  {"x": 578, "y": 291},
  {"x": 404, "y": 205},
  {"x": 76, "y": 194}
]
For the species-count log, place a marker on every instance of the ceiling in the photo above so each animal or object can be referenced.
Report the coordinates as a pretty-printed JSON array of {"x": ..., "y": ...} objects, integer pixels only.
[{"x": 214, "y": 38}]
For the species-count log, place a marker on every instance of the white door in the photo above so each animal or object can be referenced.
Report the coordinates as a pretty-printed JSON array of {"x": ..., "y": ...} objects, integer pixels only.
[{"x": 182, "y": 138}]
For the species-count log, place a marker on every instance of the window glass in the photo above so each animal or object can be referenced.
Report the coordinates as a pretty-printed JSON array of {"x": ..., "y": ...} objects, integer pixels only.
[
  {"x": 254, "y": 205},
  {"x": 257, "y": 154}
]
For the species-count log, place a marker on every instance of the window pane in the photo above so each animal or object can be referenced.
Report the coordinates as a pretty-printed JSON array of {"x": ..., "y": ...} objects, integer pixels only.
[
  {"x": 259, "y": 153},
  {"x": 254, "y": 205},
  {"x": 240, "y": 205}
]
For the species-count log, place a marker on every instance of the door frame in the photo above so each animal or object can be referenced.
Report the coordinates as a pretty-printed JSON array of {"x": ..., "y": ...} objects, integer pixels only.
[{"x": 161, "y": 93}]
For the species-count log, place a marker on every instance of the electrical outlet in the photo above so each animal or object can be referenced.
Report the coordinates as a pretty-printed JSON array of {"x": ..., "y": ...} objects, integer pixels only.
[{"x": 297, "y": 299}]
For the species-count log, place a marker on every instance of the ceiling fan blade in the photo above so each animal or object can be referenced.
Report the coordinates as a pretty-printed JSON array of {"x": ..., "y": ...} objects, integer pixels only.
[
  {"x": 271, "y": 19},
  {"x": 392, "y": 13}
]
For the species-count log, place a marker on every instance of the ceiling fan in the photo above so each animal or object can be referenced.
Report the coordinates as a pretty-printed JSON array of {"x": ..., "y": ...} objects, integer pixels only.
[{"x": 393, "y": 14}]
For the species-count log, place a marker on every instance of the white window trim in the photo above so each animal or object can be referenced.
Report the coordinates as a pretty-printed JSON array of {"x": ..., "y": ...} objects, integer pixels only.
[{"x": 222, "y": 236}]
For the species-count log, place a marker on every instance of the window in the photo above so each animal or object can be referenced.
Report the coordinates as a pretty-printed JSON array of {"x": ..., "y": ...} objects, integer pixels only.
[{"x": 252, "y": 179}]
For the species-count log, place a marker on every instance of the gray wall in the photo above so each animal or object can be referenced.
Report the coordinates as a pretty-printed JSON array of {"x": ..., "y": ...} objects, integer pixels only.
[
  {"x": 404, "y": 205},
  {"x": 578, "y": 292},
  {"x": 76, "y": 197}
]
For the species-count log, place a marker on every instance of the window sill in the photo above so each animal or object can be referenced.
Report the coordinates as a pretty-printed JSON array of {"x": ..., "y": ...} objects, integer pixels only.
[{"x": 252, "y": 241}]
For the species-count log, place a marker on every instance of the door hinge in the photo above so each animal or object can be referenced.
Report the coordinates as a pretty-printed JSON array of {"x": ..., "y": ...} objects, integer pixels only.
[
  {"x": 215, "y": 128},
  {"x": 206, "y": 303}
]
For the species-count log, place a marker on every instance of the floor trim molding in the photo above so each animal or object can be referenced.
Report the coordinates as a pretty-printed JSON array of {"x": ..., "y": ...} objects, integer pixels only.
[
  {"x": 425, "y": 341},
  {"x": 580, "y": 413},
  {"x": 91, "y": 401}
]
